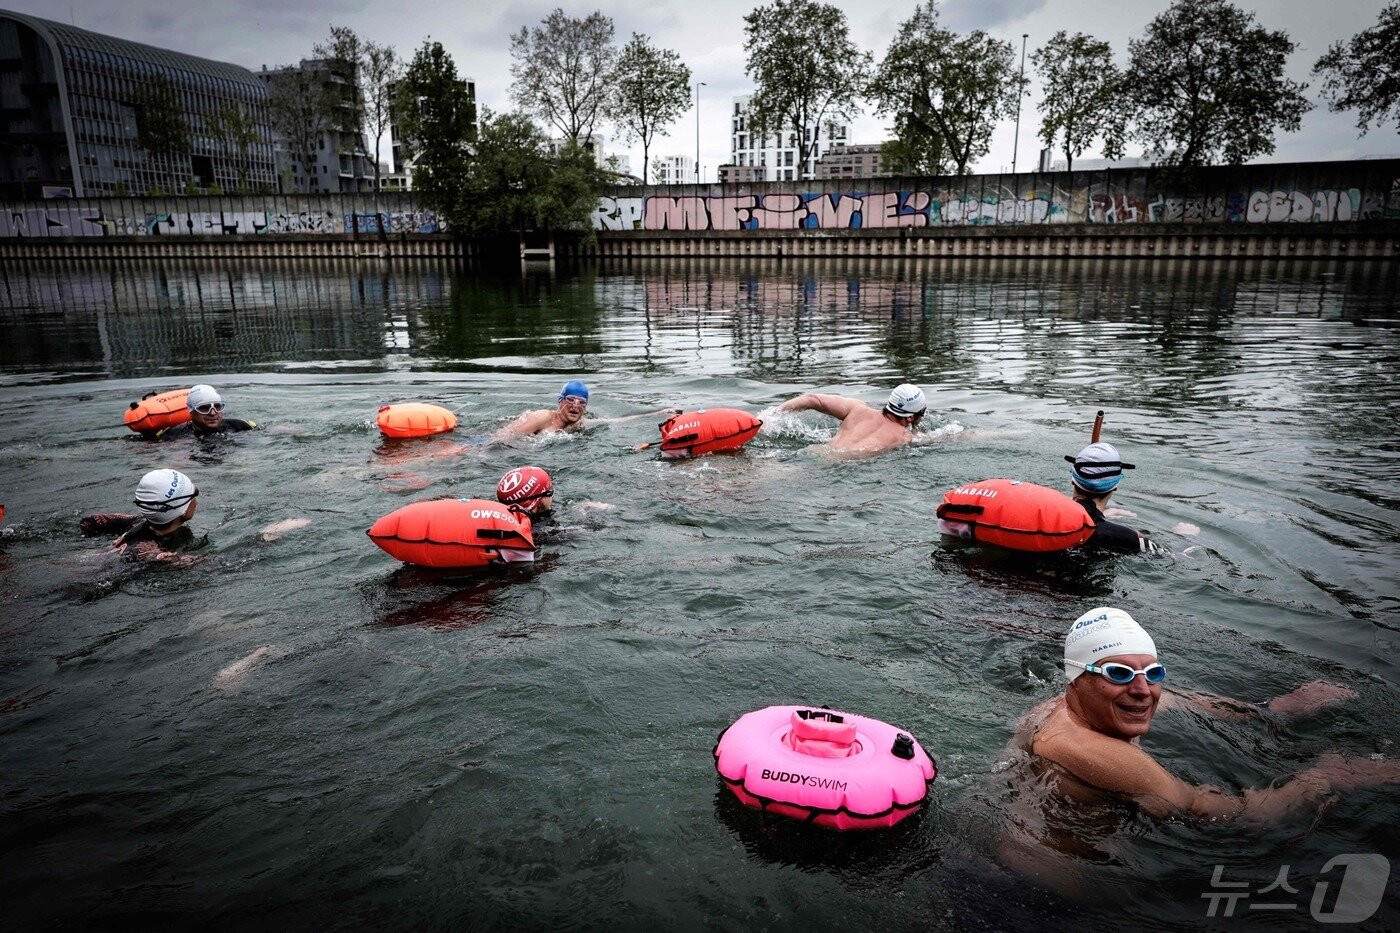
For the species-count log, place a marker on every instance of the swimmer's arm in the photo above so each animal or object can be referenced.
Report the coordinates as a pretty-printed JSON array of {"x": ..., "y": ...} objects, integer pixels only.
[
  {"x": 834, "y": 405},
  {"x": 669, "y": 412},
  {"x": 1304, "y": 701},
  {"x": 530, "y": 422}
]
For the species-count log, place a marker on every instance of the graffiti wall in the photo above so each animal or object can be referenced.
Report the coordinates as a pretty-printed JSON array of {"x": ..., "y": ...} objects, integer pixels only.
[
  {"x": 212, "y": 216},
  {"x": 1308, "y": 193},
  {"x": 1332, "y": 192}
]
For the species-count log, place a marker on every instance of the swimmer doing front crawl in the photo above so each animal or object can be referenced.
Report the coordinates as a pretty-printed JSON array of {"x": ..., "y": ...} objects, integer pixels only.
[
  {"x": 567, "y": 416},
  {"x": 1092, "y": 732},
  {"x": 864, "y": 429}
]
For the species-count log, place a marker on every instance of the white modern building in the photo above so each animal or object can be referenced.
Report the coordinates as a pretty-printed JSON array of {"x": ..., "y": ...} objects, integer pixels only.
[
  {"x": 675, "y": 170},
  {"x": 778, "y": 154},
  {"x": 342, "y": 158}
]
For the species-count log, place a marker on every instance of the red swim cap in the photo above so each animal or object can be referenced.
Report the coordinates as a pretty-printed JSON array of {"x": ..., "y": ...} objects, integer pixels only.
[{"x": 523, "y": 485}]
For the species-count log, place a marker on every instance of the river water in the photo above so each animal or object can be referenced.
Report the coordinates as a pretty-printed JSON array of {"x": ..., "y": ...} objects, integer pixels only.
[{"x": 297, "y": 731}]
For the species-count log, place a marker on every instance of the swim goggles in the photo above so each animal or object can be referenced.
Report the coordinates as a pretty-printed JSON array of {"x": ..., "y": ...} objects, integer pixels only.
[
  {"x": 578, "y": 399},
  {"x": 167, "y": 505},
  {"x": 1122, "y": 674},
  {"x": 208, "y": 408}
]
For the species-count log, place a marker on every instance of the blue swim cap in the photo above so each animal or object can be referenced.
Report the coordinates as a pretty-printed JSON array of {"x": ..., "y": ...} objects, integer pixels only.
[{"x": 575, "y": 389}]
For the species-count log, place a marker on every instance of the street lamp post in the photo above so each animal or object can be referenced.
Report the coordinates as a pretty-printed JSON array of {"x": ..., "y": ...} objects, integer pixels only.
[
  {"x": 1020, "y": 92},
  {"x": 698, "y": 86}
]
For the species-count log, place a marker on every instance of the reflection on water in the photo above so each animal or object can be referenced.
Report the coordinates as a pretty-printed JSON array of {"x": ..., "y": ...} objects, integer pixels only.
[{"x": 301, "y": 722}]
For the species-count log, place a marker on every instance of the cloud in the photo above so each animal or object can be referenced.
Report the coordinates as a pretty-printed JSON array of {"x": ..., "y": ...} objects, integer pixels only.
[{"x": 967, "y": 15}]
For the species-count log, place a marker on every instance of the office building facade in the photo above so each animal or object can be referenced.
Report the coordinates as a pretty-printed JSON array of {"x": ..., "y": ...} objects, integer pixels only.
[{"x": 71, "y": 111}]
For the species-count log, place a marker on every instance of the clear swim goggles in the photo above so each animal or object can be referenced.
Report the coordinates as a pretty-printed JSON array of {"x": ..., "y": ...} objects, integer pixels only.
[
  {"x": 1122, "y": 674},
  {"x": 208, "y": 408}
]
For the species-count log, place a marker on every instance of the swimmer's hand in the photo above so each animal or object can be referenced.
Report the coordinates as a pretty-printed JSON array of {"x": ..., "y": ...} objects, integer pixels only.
[
  {"x": 1310, "y": 698},
  {"x": 1118, "y": 513}
]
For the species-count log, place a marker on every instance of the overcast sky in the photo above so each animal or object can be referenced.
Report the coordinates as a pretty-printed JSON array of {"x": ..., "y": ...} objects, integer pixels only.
[{"x": 709, "y": 36}]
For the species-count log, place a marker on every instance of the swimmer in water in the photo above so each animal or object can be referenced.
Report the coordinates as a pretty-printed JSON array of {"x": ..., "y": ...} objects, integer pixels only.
[
  {"x": 166, "y": 500},
  {"x": 1091, "y": 734},
  {"x": 206, "y": 418},
  {"x": 864, "y": 429},
  {"x": 527, "y": 489},
  {"x": 568, "y": 416},
  {"x": 1094, "y": 473}
]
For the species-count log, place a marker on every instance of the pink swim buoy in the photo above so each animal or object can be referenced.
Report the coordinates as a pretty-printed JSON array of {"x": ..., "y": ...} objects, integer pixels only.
[{"x": 825, "y": 767}]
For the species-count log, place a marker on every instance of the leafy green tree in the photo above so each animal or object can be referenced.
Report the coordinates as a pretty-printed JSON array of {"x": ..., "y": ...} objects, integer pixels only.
[
  {"x": 651, "y": 89},
  {"x": 1364, "y": 74},
  {"x": 1206, "y": 83},
  {"x": 1082, "y": 94},
  {"x": 515, "y": 186},
  {"x": 562, "y": 71},
  {"x": 437, "y": 123},
  {"x": 946, "y": 92},
  {"x": 161, "y": 129},
  {"x": 807, "y": 72},
  {"x": 236, "y": 127},
  {"x": 299, "y": 110}
]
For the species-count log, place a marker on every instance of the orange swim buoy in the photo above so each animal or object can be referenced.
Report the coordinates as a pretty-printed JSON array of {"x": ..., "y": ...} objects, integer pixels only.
[
  {"x": 415, "y": 419},
  {"x": 692, "y": 433},
  {"x": 455, "y": 533},
  {"x": 155, "y": 412},
  {"x": 1016, "y": 515}
]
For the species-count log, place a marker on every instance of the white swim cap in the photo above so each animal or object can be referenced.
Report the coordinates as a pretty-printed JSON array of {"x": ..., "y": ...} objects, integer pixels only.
[
  {"x": 906, "y": 401},
  {"x": 163, "y": 495},
  {"x": 1103, "y": 633},
  {"x": 1097, "y": 468},
  {"x": 202, "y": 395}
]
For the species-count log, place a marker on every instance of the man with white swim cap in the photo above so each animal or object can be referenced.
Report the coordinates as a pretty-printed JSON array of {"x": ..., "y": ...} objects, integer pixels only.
[
  {"x": 566, "y": 416},
  {"x": 866, "y": 430},
  {"x": 206, "y": 407},
  {"x": 166, "y": 500},
  {"x": 1092, "y": 732},
  {"x": 1094, "y": 473}
]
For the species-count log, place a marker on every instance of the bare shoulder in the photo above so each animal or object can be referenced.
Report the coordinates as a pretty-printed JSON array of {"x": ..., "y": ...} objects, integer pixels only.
[
  {"x": 530, "y": 422},
  {"x": 1102, "y": 761}
]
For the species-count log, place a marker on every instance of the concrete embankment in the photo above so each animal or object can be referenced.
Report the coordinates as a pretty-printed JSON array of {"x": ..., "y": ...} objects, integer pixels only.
[{"x": 1223, "y": 241}]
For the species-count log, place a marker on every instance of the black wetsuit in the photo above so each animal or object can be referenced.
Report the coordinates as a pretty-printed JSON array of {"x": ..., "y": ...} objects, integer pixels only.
[
  {"x": 1113, "y": 536},
  {"x": 190, "y": 429},
  {"x": 134, "y": 530}
]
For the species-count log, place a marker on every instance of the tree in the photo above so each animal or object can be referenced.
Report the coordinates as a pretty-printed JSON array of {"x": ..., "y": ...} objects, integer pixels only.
[
  {"x": 651, "y": 89},
  {"x": 514, "y": 186},
  {"x": 344, "y": 56},
  {"x": 1081, "y": 86},
  {"x": 1364, "y": 74},
  {"x": 1207, "y": 82},
  {"x": 562, "y": 71},
  {"x": 437, "y": 123},
  {"x": 299, "y": 109},
  {"x": 658, "y": 171},
  {"x": 235, "y": 125},
  {"x": 373, "y": 70},
  {"x": 380, "y": 72},
  {"x": 805, "y": 69},
  {"x": 946, "y": 92},
  {"x": 160, "y": 126}
]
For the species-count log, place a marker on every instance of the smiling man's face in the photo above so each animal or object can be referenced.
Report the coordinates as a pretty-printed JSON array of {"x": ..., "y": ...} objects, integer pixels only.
[{"x": 1123, "y": 711}]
